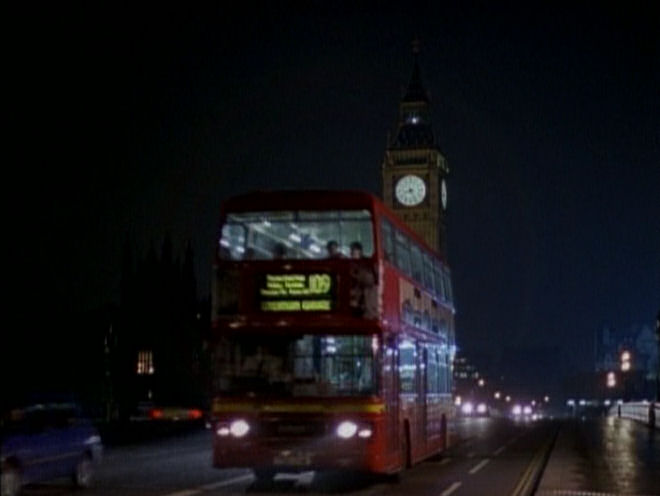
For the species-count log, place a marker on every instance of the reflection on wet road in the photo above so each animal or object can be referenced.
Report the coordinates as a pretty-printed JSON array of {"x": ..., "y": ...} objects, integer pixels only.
[
  {"x": 604, "y": 455},
  {"x": 494, "y": 457}
]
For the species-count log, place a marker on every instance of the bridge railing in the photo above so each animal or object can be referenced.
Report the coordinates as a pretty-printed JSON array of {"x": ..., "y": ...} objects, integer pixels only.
[{"x": 645, "y": 412}]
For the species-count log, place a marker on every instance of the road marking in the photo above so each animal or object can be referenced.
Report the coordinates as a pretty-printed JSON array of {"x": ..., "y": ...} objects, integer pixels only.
[
  {"x": 479, "y": 466},
  {"x": 451, "y": 489},
  {"x": 228, "y": 482},
  {"x": 499, "y": 450},
  {"x": 210, "y": 487},
  {"x": 445, "y": 461}
]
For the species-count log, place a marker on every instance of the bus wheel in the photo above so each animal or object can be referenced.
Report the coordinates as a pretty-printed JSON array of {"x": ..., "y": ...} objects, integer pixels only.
[{"x": 405, "y": 447}]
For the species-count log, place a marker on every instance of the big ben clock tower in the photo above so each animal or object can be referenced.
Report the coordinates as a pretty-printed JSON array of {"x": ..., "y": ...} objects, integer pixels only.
[{"x": 414, "y": 171}]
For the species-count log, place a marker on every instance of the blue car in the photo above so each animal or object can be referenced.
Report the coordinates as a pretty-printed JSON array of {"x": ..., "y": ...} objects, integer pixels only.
[{"x": 47, "y": 441}]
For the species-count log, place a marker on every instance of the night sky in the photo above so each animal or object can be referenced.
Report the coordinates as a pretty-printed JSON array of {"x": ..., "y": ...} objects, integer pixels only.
[{"x": 133, "y": 123}]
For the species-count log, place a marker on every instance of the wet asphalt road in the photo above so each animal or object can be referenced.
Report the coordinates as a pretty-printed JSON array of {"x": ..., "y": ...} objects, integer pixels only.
[{"x": 492, "y": 457}]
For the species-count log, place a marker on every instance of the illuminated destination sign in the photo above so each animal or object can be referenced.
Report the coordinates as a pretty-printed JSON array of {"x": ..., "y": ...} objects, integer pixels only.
[{"x": 296, "y": 292}]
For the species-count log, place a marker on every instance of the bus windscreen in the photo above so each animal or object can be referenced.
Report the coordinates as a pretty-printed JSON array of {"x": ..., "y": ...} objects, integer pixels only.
[{"x": 298, "y": 366}]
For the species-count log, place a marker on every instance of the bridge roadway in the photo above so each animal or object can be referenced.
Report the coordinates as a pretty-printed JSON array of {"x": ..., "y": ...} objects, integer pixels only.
[{"x": 493, "y": 457}]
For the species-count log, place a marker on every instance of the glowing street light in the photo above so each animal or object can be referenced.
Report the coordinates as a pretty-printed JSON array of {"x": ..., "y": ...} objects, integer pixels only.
[
  {"x": 497, "y": 395},
  {"x": 611, "y": 379},
  {"x": 507, "y": 399},
  {"x": 481, "y": 383},
  {"x": 626, "y": 360},
  {"x": 546, "y": 398}
]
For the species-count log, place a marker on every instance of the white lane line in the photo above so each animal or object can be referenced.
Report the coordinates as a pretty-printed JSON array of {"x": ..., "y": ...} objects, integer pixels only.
[
  {"x": 210, "y": 487},
  {"x": 499, "y": 450},
  {"x": 471, "y": 454},
  {"x": 479, "y": 466},
  {"x": 228, "y": 482},
  {"x": 445, "y": 461},
  {"x": 451, "y": 489}
]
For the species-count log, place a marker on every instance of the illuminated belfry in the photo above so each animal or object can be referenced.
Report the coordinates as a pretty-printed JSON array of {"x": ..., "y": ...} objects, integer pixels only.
[{"x": 414, "y": 170}]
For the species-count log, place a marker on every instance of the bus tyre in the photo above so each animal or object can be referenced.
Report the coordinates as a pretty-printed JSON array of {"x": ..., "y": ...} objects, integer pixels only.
[
  {"x": 11, "y": 480},
  {"x": 405, "y": 447},
  {"x": 82, "y": 476}
]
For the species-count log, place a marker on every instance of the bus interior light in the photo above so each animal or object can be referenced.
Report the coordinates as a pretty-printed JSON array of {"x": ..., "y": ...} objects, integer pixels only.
[
  {"x": 346, "y": 429},
  {"x": 239, "y": 428}
]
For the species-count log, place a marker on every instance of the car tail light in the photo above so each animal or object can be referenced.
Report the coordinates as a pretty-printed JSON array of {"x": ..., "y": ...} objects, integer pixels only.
[{"x": 156, "y": 413}]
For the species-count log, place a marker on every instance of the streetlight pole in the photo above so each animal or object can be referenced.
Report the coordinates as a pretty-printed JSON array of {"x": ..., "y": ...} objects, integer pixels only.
[{"x": 657, "y": 373}]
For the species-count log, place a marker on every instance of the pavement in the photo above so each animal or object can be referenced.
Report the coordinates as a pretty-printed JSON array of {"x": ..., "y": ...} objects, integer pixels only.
[{"x": 601, "y": 457}]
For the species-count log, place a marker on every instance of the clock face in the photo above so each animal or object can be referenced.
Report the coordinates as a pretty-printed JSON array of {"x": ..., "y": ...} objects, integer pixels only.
[
  {"x": 443, "y": 193},
  {"x": 410, "y": 190}
]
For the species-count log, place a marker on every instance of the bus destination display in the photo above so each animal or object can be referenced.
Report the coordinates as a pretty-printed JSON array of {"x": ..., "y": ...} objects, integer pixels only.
[{"x": 296, "y": 292}]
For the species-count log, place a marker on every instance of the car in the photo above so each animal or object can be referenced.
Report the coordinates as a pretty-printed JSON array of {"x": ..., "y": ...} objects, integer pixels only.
[{"x": 41, "y": 442}]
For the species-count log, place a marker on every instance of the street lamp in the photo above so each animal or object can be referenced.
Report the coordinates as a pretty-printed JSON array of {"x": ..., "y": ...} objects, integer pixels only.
[
  {"x": 611, "y": 379},
  {"x": 625, "y": 361},
  {"x": 507, "y": 399},
  {"x": 546, "y": 398},
  {"x": 497, "y": 395},
  {"x": 481, "y": 383}
]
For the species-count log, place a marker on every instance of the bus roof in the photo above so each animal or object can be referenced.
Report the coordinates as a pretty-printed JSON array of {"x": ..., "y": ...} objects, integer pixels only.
[{"x": 256, "y": 201}]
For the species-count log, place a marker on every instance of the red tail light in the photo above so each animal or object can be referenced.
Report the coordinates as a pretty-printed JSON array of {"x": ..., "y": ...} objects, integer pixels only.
[
  {"x": 194, "y": 414},
  {"x": 155, "y": 413}
]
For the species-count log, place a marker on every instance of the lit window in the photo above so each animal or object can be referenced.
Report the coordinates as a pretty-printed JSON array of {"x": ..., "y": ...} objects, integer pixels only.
[{"x": 145, "y": 363}]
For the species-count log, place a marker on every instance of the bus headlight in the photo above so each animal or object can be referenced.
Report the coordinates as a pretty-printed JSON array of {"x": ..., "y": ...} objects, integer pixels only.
[
  {"x": 239, "y": 428},
  {"x": 346, "y": 429},
  {"x": 365, "y": 433}
]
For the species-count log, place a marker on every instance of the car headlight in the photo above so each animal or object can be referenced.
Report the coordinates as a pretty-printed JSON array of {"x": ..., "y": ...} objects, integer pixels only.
[
  {"x": 527, "y": 410},
  {"x": 467, "y": 408},
  {"x": 239, "y": 428},
  {"x": 517, "y": 410},
  {"x": 346, "y": 429},
  {"x": 481, "y": 408}
]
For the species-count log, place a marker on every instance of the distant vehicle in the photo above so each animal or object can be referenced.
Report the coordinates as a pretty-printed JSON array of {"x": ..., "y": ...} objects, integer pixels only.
[
  {"x": 47, "y": 441},
  {"x": 333, "y": 332},
  {"x": 151, "y": 411},
  {"x": 475, "y": 409}
]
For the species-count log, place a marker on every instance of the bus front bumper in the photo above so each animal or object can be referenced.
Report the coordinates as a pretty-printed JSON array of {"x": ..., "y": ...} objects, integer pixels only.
[{"x": 310, "y": 454}]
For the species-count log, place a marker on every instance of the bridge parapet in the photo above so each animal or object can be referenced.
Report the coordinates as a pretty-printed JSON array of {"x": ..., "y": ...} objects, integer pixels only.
[{"x": 645, "y": 412}]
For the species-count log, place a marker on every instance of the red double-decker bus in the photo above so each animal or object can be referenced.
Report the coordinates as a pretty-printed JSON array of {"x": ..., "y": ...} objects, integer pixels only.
[{"x": 333, "y": 335}]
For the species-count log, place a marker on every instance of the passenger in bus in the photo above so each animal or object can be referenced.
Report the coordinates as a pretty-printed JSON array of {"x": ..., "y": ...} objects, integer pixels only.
[
  {"x": 364, "y": 292},
  {"x": 333, "y": 249},
  {"x": 264, "y": 364},
  {"x": 356, "y": 249},
  {"x": 279, "y": 251}
]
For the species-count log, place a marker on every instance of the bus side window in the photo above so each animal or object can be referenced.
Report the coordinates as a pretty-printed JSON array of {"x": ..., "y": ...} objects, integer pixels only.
[
  {"x": 416, "y": 259},
  {"x": 402, "y": 252},
  {"x": 439, "y": 283},
  {"x": 428, "y": 272},
  {"x": 388, "y": 245}
]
